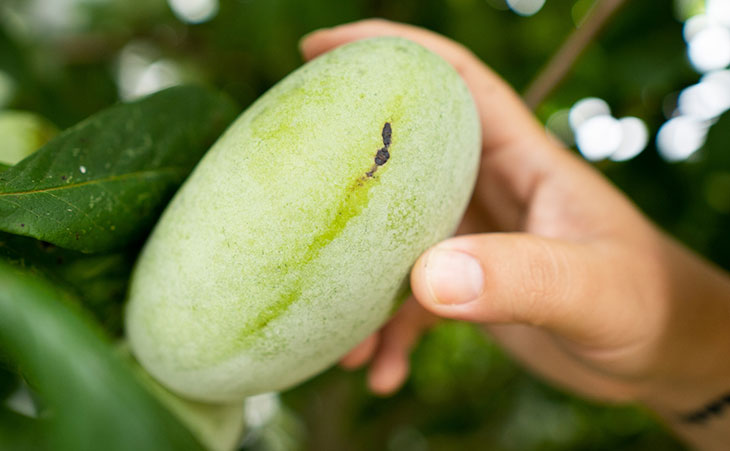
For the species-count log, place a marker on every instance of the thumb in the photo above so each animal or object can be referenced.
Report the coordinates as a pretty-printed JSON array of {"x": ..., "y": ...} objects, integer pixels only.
[{"x": 519, "y": 278}]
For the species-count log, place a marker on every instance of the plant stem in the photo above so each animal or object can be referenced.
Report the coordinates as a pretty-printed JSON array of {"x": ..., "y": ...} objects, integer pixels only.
[{"x": 556, "y": 69}]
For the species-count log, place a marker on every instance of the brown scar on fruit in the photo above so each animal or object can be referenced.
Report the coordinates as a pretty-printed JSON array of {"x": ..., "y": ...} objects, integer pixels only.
[{"x": 382, "y": 155}]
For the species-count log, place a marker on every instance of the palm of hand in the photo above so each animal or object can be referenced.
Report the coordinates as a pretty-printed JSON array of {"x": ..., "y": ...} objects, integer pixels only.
[
  {"x": 597, "y": 357},
  {"x": 572, "y": 283}
]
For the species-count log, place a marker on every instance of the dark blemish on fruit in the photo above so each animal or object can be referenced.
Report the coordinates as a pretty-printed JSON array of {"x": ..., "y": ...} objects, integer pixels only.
[
  {"x": 387, "y": 133},
  {"x": 382, "y": 156}
]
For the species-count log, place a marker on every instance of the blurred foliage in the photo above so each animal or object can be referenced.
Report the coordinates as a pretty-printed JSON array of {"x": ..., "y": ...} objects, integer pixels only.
[
  {"x": 22, "y": 133},
  {"x": 87, "y": 395},
  {"x": 464, "y": 393},
  {"x": 99, "y": 280}
]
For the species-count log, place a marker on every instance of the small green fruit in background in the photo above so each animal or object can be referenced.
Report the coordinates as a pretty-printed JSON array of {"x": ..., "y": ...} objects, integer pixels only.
[
  {"x": 21, "y": 134},
  {"x": 293, "y": 238}
]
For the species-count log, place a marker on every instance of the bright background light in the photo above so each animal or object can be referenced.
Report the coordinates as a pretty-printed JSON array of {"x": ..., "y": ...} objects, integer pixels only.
[
  {"x": 587, "y": 108},
  {"x": 140, "y": 72},
  {"x": 719, "y": 11},
  {"x": 634, "y": 138},
  {"x": 525, "y": 7},
  {"x": 599, "y": 135},
  {"x": 698, "y": 106},
  {"x": 260, "y": 409},
  {"x": 694, "y": 25},
  {"x": 194, "y": 11},
  {"x": 707, "y": 99},
  {"x": 709, "y": 48},
  {"x": 707, "y": 34},
  {"x": 680, "y": 137}
]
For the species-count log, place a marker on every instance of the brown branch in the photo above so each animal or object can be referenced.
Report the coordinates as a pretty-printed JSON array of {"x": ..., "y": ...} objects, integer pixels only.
[{"x": 556, "y": 69}]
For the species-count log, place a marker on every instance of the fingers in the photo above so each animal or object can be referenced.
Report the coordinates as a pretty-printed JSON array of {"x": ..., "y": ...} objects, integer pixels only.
[
  {"x": 390, "y": 348},
  {"x": 518, "y": 278},
  {"x": 361, "y": 354},
  {"x": 390, "y": 368},
  {"x": 505, "y": 119},
  {"x": 538, "y": 351},
  {"x": 321, "y": 41},
  {"x": 390, "y": 365}
]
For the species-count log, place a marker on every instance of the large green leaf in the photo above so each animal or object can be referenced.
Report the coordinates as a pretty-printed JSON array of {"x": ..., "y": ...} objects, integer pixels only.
[
  {"x": 101, "y": 184},
  {"x": 94, "y": 400}
]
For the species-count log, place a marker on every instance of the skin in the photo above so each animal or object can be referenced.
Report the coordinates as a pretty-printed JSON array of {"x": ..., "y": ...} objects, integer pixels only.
[{"x": 565, "y": 272}]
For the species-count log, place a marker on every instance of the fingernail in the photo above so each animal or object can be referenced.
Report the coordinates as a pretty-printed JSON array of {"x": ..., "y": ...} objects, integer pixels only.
[{"x": 453, "y": 277}]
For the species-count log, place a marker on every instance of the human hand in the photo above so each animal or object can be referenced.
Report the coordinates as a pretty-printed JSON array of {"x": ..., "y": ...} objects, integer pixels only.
[{"x": 556, "y": 263}]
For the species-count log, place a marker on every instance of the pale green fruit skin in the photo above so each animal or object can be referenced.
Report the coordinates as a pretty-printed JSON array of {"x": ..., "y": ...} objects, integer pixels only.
[
  {"x": 280, "y": 252},
  {"x": 21, "y": 134}
]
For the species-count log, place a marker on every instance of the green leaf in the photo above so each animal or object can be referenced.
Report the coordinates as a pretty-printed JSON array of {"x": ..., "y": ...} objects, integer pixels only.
[
  {"x": 4, "y": 167},
  {"x": 94, "y": 400},
  {"x": 101, "y": 184}
]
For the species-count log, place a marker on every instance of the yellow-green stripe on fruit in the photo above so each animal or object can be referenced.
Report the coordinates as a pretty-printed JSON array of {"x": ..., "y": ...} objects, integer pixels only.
[{"x": 293, "y": 238}]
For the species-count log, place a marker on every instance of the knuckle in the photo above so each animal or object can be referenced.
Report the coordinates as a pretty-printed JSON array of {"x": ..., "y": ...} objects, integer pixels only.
[{"x": 542, "y": 288}]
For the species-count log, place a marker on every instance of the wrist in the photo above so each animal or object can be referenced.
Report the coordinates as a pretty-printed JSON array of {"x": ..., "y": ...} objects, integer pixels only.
[
  {"x": 692, "y": 370},
  {"x": 689, "y": 383}
]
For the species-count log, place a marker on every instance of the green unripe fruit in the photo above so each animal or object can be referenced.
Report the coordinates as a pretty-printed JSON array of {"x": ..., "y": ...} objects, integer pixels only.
[
  {"x": 21, "y": 134},
  {"x": 293, "y": 238}
]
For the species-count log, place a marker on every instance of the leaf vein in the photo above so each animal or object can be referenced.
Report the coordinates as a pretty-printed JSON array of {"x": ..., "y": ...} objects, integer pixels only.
[{"x": 113, "y": 178}]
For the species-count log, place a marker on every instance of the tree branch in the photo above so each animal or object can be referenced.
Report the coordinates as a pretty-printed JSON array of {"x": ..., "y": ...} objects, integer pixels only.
[{"x": 556, "y": 69}]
